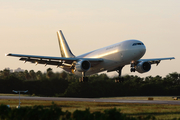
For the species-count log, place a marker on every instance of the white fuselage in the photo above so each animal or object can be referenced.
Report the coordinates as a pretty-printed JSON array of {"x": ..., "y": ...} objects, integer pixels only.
[{"x": 116, "y": 55}]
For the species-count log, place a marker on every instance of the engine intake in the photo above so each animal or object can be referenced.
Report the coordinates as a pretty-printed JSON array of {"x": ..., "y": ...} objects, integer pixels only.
[
  {"x": 143, "y": 67},
  {"x": 83, "y": 66}
]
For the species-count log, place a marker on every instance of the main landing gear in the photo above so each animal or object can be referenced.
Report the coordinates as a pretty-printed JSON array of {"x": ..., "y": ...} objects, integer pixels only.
[
  {"x": 119, "y": 79},
  {"x": 83, "y": 78}
]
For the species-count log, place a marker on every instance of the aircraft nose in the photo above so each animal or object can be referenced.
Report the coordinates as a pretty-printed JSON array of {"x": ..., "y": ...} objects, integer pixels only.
[
  {"x": 142, "y": 50},
  {"x": 139, "y": 51}
]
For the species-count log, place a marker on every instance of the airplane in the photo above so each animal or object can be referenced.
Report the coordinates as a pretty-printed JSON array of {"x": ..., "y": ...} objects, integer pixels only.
[{"x": 110, "y": 58}]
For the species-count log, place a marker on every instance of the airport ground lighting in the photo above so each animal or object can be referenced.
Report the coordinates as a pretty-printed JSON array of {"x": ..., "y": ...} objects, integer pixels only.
[{"x": 19, "y": 96}]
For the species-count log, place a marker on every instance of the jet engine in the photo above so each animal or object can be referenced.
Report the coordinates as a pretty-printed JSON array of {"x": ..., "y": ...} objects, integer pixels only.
[
  {"x": 143, "y": 67},
  {"x": 83, "y": 66}
]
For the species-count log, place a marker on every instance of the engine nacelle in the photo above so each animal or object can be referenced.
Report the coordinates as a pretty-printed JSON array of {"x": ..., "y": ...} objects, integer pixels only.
[
  {"x": 143, "y": 67},
  {"x": 83, "y": 66}
]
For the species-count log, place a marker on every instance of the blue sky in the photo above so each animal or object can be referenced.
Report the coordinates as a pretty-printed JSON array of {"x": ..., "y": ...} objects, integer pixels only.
[{"x": 29, "y": 27}]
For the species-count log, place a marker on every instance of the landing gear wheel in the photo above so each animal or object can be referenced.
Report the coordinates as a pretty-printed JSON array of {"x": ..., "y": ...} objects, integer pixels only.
[
  {"x": 85, "y": 79},
  {"x": 133, "y": 65},
  {"x": 133, "y": 69},
  {"x": 119, "y": 80},
  {"x": 80, "y": 79}
]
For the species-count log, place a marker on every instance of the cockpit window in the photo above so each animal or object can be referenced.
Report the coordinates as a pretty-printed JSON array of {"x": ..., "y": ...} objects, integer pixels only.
[{"x": 137, "y": 44}]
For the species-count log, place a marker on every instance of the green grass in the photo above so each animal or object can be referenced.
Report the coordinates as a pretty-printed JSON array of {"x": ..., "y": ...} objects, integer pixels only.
[{"x": 160, "y": 111}]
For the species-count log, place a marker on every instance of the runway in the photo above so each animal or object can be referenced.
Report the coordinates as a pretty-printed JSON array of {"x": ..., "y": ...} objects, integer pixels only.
[{"x": 173, "y": 102}]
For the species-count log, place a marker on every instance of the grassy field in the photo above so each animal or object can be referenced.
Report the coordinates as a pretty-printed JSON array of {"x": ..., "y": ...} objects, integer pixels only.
[{"x": 160, "y": 111}]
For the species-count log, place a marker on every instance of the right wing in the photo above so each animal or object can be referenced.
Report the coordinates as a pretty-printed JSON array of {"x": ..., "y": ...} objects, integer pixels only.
[
  {"x": 58, "y": 61},
  {"x": 155, "y": 60}
]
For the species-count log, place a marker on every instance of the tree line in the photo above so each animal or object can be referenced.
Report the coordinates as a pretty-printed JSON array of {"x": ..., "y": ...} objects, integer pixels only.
[{"x": 99, "y": 85}]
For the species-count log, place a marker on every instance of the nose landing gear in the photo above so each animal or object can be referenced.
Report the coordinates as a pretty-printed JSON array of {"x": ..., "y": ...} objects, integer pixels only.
[
  {"x": 133, "y": 69},
  {"x": 133, "y": 66}
]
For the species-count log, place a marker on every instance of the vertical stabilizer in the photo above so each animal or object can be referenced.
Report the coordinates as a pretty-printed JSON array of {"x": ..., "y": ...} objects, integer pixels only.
[{"x": 64, "y": 48}]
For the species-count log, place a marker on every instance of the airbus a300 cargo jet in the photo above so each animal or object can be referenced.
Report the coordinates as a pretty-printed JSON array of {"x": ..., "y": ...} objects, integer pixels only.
[{"x": 110, "y": 58}]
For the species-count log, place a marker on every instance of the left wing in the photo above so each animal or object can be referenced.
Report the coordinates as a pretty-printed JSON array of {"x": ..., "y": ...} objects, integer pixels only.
[
  {"x": 58, "y": 61},
  {"x": 155, "y": 60}
]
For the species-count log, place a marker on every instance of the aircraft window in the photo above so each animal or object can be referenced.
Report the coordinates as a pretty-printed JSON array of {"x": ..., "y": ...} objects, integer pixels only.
[{"x": 137, "y": 44}]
